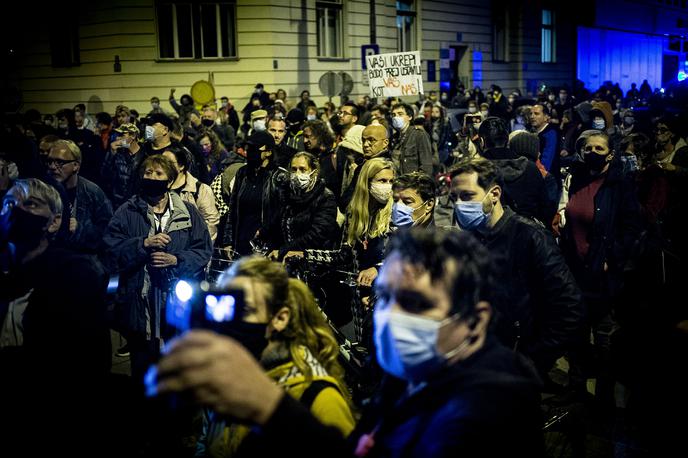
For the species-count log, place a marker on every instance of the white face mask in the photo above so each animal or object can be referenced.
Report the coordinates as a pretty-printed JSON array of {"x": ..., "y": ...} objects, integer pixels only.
[
  {"x": 259, "y": 125},
  {"x": 310, "y": 117},
  {"x": 381, "y": 192},
  {"x": 303, "y": 180},
  {"x": 398, "y": 123},
  {"x": 472, "y": 109},
  {"x": 406, "y": 344},
  {"x": 149, "y": 134}
]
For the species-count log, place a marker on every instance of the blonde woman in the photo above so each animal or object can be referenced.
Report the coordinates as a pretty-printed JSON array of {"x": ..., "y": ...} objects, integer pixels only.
[{"x": 285, "y": 329}]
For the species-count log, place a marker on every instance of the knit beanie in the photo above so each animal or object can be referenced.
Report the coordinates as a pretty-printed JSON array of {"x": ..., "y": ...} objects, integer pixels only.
[{"x": 525, "y": 144}]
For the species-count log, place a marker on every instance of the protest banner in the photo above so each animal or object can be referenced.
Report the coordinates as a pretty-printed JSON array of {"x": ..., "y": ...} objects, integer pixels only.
[{"x": 395, "y": 74}]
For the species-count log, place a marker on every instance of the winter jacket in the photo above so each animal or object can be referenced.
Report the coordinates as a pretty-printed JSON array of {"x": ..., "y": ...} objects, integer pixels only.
[
  {"x": 201, "y": 196},
  {"x": 132, "y": 223},
  {"x": 539, "y": 307},
  {"x": 487, "y": 405},
  {"x": 308, "y": 220},
  {"x": 119, "y": 174},
  {"x": 413, "y": 152},
  {"x": 550, "y": 149},
  {"x": 93, "y": 213},
  {"x": 321, "y": 395},
  {"x": 272, "y": 193},
  {"x": 616, "y": 227}
]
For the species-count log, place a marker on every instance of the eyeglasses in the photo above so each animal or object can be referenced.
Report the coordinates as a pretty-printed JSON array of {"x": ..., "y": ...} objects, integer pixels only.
[
  {"x": 57, "y": 162},
  {"x": 344, "y": 113},
  {"x": 661, "y": 130}
]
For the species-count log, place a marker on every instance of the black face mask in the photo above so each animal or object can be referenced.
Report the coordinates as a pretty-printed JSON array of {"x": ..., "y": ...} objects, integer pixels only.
[
  {"x": 250, "y": 335},
  {"x": 253, "y": 157},
  {"x": 208, "y": 122},
  {"x": 153, "y": 188},
  {"x": 22, "y": 228},
  {"x": 595, "y": 162}
]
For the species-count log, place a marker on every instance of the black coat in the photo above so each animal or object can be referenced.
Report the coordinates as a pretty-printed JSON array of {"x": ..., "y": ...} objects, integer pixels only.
[
  {"x": 412, "y": 152},
  {"x": 616, "y": 227},
  {"x": 487, "y": 405},
  {"x": 536, "y": 296},
  {"x": 93, "y": 213},
  {"x": 307, "y": 221}
]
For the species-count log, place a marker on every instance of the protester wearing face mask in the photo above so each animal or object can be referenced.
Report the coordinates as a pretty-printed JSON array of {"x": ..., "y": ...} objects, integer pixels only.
[
  {"x": 254, "y": 202},
  {"x": 412, "y": 150},
  {"x": 414, "y": 201},
  {"x": 602, "y": 227},
  {"x": 155, "y": 107},
  {"x": 185, "y": 109},
  {"x": 434, "y": 342},
  {"x": 540, "y": 304},
  {"x": 308, "y": 218},
  {"x": 50, "y": 295},
  {"x": 157, "y": 134},
  {"x": 216, "y": 156},
  {"x": 225, "y": 132},
  {"x": 258, "y": 121},
  {"x": 153, "y": 239},
  {"x": 121, "y": 164},
  {"x": 671, "y": 149},
  {"x": 499, "y": 106}
]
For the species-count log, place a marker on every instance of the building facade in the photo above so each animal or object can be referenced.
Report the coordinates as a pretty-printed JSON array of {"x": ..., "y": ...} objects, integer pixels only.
[{"x": 125, "y": 51}]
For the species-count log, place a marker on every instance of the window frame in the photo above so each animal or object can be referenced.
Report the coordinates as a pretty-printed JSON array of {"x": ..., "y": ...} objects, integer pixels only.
[
  {"x": 197, "y": 39},
  {"x": 551, "y": 28},
  {"x": 413, "y": 13},
  {"x": 505, "y": 55},
  {"x": 323, "y": 45}
]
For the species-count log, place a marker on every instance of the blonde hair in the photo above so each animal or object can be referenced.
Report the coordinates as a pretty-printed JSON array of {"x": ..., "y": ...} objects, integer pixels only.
[
  {"x": 307, "y": 326},
  {"x": 70, "y": 146},
  {"x": 358, "y": 216}
]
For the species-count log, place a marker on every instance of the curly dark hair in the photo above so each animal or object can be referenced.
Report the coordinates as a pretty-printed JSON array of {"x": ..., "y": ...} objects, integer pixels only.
[
  {"x": 420, "y": 182},
  {"x": 321, "y": 132},
  {"x": 432, "y": 248}
]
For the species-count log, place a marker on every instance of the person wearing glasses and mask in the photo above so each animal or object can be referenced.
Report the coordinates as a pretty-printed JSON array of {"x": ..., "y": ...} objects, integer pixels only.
[
  {"x": 88, "y": 207},
  {"x": 451, "y": 389}
]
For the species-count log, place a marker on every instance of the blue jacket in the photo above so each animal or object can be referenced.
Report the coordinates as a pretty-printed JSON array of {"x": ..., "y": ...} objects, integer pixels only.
[
  {"x": 126, "y": 255},
  {"x": 93, "y": 213}
]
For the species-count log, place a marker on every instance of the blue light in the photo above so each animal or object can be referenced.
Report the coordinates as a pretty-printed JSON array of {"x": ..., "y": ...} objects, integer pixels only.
[
  {"x": 681, "y": 76},
  {"x": 183, "y": 290}
]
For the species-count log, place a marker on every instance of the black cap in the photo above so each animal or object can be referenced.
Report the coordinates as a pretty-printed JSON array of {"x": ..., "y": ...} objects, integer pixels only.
[
  {"x": 259, "y": 86},
  {"x": 295, "y": 115},
  {"x": 160, "y": 118},
  {"x": 261, "y": 138}
]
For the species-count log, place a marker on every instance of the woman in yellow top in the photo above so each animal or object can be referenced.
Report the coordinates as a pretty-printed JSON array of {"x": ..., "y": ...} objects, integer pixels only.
[{"x": 301, "y": 354}]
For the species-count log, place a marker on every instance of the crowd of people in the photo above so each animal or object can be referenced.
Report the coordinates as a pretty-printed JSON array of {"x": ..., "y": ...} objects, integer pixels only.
[{"x": 470, "y": 263}]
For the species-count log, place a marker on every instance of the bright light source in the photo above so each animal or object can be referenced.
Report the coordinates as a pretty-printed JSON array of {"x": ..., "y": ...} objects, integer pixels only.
[
  {"x": 682, "y": 76},
  {"x": 183, "y": 290}
]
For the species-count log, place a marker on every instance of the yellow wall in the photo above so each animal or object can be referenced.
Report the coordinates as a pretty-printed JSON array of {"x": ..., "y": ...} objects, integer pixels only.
[{"x": 267, "y": 30}]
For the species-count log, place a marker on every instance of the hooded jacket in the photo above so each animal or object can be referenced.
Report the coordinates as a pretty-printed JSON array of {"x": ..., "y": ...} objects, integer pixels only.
[
  {"x": 132, "y": 223},
  {"x": 201, "y": 196},
  {"x": 524, "y": 186}
]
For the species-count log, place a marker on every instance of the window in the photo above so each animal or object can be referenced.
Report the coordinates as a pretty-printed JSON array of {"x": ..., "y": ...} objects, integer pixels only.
[
  {"x": 329, "y": 17},
  {"x": 64, "y": 39},
  {"x": 196, "y": 30},
  {"x": 548, "y": 36},
  {"x": 406, "y": 25},
  {"x": 501, "y": 36}
]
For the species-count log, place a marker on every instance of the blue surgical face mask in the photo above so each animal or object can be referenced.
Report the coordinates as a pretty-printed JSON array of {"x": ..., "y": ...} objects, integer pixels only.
[
  {"x": 402, "y": 214},
  {"x": 598, "y": 123},
  {"x": 406, "y": 344},
  {"x": 470, "y": 215},
  {"x": 398, "y": 122}
]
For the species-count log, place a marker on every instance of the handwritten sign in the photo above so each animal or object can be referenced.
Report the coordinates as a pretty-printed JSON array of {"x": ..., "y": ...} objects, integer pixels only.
[{"x": 395, "y": 74}]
